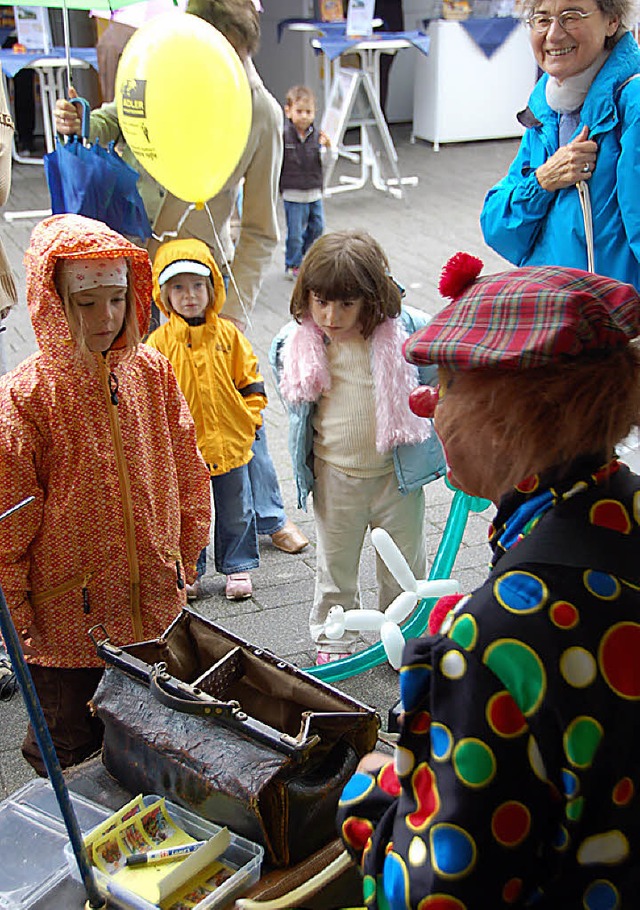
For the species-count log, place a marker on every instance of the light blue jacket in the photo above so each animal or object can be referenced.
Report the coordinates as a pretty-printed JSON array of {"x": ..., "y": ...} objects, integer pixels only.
[
  {"x": 531, "y": 226},
  {"x": 415, "y": 465}
]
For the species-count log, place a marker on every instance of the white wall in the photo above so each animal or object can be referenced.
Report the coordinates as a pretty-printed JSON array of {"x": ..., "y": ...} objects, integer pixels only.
[
  {"x": 400, "y": 100},
  {"x": 292, "y": 60}
]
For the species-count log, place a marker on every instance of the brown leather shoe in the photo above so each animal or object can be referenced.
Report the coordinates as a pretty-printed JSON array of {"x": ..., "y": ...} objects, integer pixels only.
[
  {"x": 289, "y": 538},
  {"x": 194, "y": 591}
]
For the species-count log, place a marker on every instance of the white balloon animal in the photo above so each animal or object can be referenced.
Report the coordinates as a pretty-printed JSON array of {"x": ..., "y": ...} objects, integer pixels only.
[{"x": 340, "y": 620}]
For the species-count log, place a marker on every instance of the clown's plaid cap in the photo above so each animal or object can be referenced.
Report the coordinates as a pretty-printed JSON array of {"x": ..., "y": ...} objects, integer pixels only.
[{"x": 526, "y": 318}]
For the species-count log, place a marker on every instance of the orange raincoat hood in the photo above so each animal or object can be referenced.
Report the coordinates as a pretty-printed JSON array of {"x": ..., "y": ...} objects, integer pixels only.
[
  {"x": 76, "y": 237},
  {"x": 195, "y": 250}
]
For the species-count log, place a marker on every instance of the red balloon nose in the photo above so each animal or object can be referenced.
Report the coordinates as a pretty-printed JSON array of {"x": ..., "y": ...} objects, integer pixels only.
[{"x": 423, "y": 400}]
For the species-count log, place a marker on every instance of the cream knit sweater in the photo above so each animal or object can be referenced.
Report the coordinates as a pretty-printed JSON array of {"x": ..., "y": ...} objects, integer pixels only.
[{"x": 345, "y": 417}]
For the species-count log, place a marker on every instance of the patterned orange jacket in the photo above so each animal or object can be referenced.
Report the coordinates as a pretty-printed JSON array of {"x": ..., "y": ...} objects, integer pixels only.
[{"x": 122, "y": 503}]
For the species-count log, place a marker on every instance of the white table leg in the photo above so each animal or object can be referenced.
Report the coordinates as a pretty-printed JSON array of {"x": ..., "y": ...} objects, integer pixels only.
[{"x": 38, "y": 214}]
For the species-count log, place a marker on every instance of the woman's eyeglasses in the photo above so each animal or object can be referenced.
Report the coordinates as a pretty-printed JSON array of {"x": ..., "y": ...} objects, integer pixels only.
[{"x": 569, "y": 20}]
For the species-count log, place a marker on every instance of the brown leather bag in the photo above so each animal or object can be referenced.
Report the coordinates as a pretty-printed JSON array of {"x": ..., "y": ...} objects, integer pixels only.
[{"x": 231, "y": 731}]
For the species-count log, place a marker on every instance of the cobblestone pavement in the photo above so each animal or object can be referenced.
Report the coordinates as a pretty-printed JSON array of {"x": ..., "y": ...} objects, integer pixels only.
[{"x": 435, "y": 219}]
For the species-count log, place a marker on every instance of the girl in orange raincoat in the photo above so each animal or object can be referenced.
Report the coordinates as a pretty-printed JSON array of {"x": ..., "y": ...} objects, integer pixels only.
[{"x": 95, "y": 427}]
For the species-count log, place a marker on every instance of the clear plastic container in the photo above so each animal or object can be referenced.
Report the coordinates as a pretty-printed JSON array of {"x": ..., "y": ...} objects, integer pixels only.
[
  {"x": 242, "y": 855},
  {"x": 33, "y": 837}
]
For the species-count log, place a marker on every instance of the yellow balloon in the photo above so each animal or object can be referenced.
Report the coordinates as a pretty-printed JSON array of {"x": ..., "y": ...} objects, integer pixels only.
[{"x": 184, "y": 104}]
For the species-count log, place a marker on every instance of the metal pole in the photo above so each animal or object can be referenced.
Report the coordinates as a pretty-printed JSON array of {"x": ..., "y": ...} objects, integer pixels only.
[
  {"x": 36, "y": 716},
  {"x": 67, "y": 41}
]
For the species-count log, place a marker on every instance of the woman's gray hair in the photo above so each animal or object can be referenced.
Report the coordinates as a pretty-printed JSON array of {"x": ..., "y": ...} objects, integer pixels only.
[{"x": 626, "y": 11}]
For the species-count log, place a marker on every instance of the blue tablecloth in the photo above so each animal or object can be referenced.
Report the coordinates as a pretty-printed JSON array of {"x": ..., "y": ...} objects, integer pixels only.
[
  {"x": 489, "y": 34},
  {"x": 326, "y": 28},
  {"x": 335, "y": 45},
  {"x": 333, "y": 41},
  {"x": 12, "y": 63}
]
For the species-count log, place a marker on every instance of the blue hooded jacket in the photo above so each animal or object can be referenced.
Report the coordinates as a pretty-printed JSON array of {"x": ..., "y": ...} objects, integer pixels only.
[{"x": 531, "y": 226}]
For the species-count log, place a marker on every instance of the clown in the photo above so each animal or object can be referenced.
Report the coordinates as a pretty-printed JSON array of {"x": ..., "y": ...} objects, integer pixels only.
[{"x": 515, "y": 779}]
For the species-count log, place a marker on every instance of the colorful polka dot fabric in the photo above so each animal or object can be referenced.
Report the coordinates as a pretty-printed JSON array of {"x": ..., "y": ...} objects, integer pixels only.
[{"x": 515, "y": 779}]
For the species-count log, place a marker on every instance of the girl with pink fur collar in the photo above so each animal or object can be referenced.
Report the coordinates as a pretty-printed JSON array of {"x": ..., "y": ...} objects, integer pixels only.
[{"x": 353, "y": 440}]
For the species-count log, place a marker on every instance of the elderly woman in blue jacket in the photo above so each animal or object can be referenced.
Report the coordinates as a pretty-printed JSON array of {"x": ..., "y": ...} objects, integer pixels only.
[{"x": 579, "y": 161}]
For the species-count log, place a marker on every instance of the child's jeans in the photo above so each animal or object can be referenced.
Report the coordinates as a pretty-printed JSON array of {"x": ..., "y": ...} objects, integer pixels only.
[
  {"x": 235, "y": 536},
  {"x": 267, "y": 498},
  {"x": 305, "y": 223},
  {"x": 344, "y": 507}
]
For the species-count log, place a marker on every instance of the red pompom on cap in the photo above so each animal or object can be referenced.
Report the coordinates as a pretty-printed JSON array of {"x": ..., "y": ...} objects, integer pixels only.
[
  {"x": 441, "y": 609},
  {"x": 459, "y": 272},
  {"x": 423, "y": 400}
]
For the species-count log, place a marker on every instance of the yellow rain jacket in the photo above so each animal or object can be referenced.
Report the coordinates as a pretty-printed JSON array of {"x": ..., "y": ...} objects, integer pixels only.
[
  {"x": 215, "y": 366},
  {"x": 121, "y": 492}
]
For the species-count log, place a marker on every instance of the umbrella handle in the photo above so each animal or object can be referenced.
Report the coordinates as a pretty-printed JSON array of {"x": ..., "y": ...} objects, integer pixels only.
[{"x": 86, "y": 115}]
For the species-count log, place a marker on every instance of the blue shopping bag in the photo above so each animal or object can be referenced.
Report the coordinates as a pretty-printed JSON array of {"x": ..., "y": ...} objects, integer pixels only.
[{"x": 90, "y": 180}]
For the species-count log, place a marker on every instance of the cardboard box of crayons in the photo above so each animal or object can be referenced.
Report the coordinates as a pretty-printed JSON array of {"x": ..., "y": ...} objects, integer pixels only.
[{"x": 153, "y": 853}]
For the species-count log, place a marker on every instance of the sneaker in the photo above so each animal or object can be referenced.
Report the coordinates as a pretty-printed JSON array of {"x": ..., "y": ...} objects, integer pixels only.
[
  {"x": 291, "y": 273},
  {"x": 328, "y": 657},
  {"x": 238, "y": 586},
  {"x": 194, "y": 591},
  {"x": 8, "y": 681}
]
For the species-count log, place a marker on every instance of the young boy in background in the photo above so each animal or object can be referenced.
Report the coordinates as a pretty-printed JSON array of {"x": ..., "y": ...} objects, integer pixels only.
[{"x": 301, "y": 176}]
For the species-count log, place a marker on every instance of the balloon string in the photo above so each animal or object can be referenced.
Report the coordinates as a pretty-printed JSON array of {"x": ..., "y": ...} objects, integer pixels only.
[
  {"x": 160, "y": 238},
  {"x": 227, "y": 266},
  {"x": 174, "y": 234}
]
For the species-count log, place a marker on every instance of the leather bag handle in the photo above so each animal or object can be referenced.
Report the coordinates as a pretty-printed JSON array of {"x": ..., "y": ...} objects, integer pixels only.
[
  {"x": 203, "y": 706},
  {"x": 168, "y": 691}
]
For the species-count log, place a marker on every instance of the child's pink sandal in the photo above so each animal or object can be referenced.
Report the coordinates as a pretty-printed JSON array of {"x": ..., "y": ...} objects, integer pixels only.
[
  {"x": 238, "y": 586},
  {"x": 328, "y": 657}
]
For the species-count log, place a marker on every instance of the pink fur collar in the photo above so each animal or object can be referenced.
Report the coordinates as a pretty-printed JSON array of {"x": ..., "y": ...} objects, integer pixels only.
[
  {"x": 305, "y": 371},
  {"x": 305, "y": 377}
]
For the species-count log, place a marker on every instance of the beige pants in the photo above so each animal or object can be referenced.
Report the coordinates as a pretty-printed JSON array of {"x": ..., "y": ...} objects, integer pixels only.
[{"x": 344, "y": 507}]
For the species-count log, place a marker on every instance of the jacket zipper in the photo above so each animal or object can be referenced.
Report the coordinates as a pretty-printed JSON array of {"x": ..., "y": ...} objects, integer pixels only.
[
  {"x": 107, "y": 379},
  {"x": 180, "y": 579},
  {"x": 63, "y": 589}
]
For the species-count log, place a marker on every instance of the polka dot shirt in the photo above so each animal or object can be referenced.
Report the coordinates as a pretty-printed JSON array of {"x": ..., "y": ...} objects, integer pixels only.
[{"x": 515, "y": 779}]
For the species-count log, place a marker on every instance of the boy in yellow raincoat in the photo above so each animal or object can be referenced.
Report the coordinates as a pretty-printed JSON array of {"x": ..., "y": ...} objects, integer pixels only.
[{"x": 218, "y": 374}]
